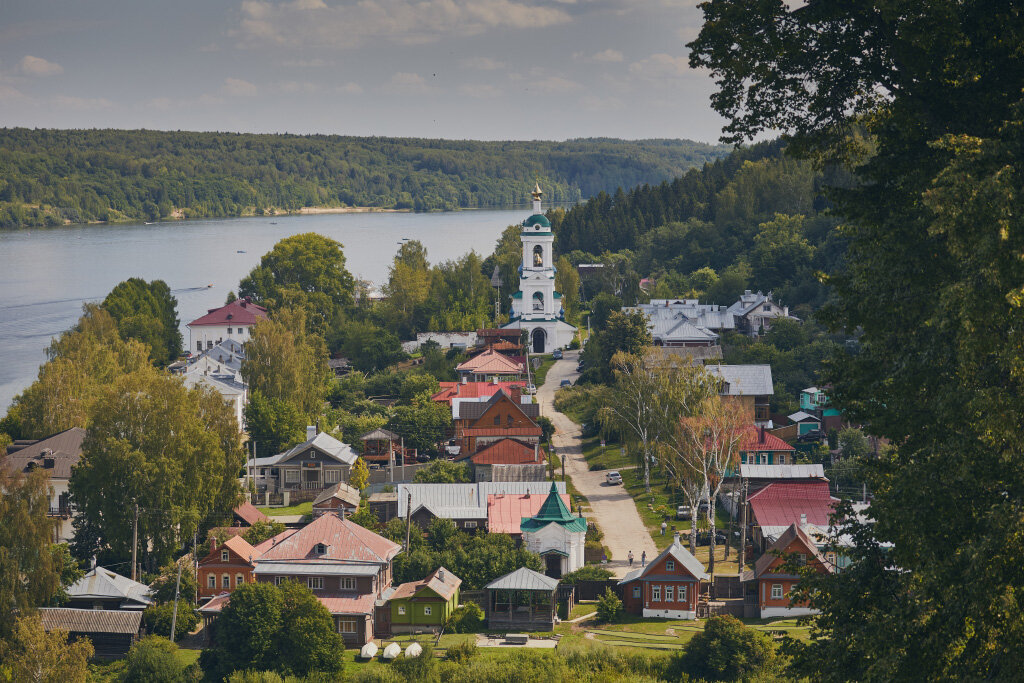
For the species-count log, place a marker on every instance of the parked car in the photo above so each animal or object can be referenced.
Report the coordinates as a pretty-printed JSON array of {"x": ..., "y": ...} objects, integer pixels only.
[
  {"x": 613, "y": 478},
  {"x": 683, "y": 511},
  {"x": 565, "y": 383},
  {"x": 557, "y": 354},
  {"x": 704, "y": 538},
  {"x": 422, "y": 457},
  {"x": 530, "y": 389}
]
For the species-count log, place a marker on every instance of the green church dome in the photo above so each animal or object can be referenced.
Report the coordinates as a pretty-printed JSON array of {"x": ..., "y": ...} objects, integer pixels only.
[{"x": 535, "y": 220}]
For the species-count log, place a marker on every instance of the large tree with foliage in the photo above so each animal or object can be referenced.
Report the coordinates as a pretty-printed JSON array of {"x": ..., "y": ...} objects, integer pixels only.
[
  {"x": 33, "y": 654},
  {"x": 172, "y": 451},
  {"x": 147, "y": 311},
  {"x": 933, "y": 281}
]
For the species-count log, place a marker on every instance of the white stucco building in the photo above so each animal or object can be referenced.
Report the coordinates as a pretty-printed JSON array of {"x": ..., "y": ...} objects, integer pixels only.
[
  {"x": 232, "y": 321},
  {"x": 556, "y": 535},
  {"x": 537, "y": 307}
]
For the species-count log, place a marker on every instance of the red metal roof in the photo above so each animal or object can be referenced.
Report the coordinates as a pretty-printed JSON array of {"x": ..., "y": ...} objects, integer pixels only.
[
  {"x": 756, "y": 440},
  {"x": 450, "y": 390},
  {"x": 271, "y": 542},
  {"x": 505, "y": 511},
  {"x": 444, "y": 588},
  {"x": 348, "y": 603},
  {"x": 345, "y": 541},
  {"x": 491, "y": 361},
  {"x": 506, "y": 452},
  {"x": 782, "y": 502},
  {"x": 238, "y": 312},
  {"x": 249, "y": 514},
  {"x": 502, "y": 431}
]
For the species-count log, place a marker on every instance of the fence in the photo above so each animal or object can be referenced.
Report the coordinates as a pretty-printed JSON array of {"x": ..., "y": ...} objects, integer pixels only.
[
  {"x": 593, "y": 589},
  {"x": 726, "y": 587}
]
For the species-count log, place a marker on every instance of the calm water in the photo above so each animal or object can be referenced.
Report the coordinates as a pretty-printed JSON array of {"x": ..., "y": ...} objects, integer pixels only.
[{"x": 46, "y": 275}]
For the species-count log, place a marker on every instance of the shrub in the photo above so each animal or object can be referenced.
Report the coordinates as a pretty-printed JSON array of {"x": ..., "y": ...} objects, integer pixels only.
[
  {"x": 587, "y": 573},
  {"x": 466, "y": 618},
  {"x": 597, "y": 467},
  {"x": 460, "y": 653},
  {"x": 155, "y": 659},
  {"x": 261, "y": 531},
  {"x": 423, "y": 667},
  {"x": 594, "y": 533},
  {"x": 609, "y": 607},
  {"x": 158, "y": 619},
  {"x": 725, "y": 651}
]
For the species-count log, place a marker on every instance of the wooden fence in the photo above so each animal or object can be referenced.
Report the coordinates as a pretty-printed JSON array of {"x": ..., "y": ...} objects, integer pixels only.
[{"x": 726, "y": 587}]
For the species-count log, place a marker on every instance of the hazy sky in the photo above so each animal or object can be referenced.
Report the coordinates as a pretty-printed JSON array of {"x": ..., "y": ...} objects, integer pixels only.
[{"x": 488, "y": 69}]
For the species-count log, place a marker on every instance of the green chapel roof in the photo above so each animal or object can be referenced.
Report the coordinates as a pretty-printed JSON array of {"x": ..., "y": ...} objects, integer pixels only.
[
  {"x": 553, "y": 511},
  {"x": 537, "y": 219}
]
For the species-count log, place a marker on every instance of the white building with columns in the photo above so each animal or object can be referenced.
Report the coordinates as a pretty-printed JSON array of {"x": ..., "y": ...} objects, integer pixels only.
[{"x": 537, "y": 307}]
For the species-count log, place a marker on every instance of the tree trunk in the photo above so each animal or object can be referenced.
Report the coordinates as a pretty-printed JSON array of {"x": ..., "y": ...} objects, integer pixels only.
[
  {"x": 711, "y": 536},
  {"x": 647, "y": 469}
]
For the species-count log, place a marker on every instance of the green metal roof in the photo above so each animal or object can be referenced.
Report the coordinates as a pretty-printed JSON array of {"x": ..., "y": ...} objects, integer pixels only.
[
  {"x": 553, "y": 511},
  {"x": 537, "y": 219}
]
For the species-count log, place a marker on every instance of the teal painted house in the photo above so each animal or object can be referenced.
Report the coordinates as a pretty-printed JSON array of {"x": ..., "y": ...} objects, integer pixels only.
[
  {"x": 805, "y": 422},
  {"x": 424, "y": 605},
  {"x": 815, "y": 400}
]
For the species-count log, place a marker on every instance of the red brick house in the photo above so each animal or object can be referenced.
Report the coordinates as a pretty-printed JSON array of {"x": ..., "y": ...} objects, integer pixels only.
[
  {"x": 668, "y": 587},
  {"x": 227, "y": 567},
  {"x": 769, "y": 585}
]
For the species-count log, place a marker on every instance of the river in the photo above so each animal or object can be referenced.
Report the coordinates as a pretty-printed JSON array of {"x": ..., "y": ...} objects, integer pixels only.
[{"x": 47, "y": 275}]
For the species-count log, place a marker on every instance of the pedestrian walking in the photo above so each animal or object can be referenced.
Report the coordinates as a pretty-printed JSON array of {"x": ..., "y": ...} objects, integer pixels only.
[
  {"x": 664, "y": 525},
  {"x": 630, "y": 557},
  {"x": 643, "y": 559}
]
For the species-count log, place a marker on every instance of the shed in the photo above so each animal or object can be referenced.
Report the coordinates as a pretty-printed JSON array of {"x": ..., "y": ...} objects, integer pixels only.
[
  {"x": 339, "y": 498},
  {"x": 112, "y": 632},
  {"x": 523, "y": 600}
]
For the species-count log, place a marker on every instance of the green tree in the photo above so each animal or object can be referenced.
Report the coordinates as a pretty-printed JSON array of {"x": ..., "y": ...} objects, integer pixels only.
[
  {"x": 928, "y": 111},
  {"x": 567, "y": 283},
  {"x": 442, "y": 472},
  {"x": 30, "y": 573},
  {"x": 164, "y": 584},
  {"x": 246, "y": 632},
  {"x": 725, "y": 650},
  {"x": 609, "y": 607},
  {"x": 172, "y": 451},
  {"x": 423, "y": 426},
  {"x": 853, "y": 444},
  {"x": 273, "y": 424},
  {"x": 306, "y": 271},
  {"x": 360, "y": 474},
  {"x": 368, "y": 346},
  {"x": 155, "y": 659},
  {"x": 602, "y": 306},
  {"x": 261, "y": 531},
  {"x": 307, "y": 641},
  {"x": 32, "y": 654},
  {"x": 466, "y": 618},
  {"x": 366, "y": 518},
  {"x": 67, "y": 569},
  {"x": 781, "y": 252},
  {"x": 147, "y": 311},
  {"x": 158, "y": 618},
  {"x": 408, "y": 288}
]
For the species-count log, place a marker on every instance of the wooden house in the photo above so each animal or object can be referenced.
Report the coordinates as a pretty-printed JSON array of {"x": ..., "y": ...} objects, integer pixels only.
[
  {"x": 112, "y": 632},
  {"x": 424, "y": 605},
  {"x": 668, "y": 587},
  {"x": 340, "y": 498},
  {"x": 769, "y": 584}
]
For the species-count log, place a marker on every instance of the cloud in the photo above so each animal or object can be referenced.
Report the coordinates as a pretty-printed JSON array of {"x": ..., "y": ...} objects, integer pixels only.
[
  {"x": 553, "y": 84},
  {"x": 608, "y": 55},
  {"x": 10, "y": 94},
  {"x": 304, "y": 87},
  {"x": 236, "y": 87},
  {"x": 312, "y": 23},
  {"x": 661, "y": 66},
  {"x": 481, "y": 92},
  {"x": 350, "y": 89},
  {"x": 482, "y": 64},
  {"x": 37, "y": 66},
  {"x": 81, "y": 103},
  {"x": 594, "y": 103},
  {"x": 403, "y": 83},
  {"x": 308, "y": 63}
]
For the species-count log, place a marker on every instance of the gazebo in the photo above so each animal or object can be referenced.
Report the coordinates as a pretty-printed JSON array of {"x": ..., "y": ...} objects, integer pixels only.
[
  {"x": 524, "y": 600},
  {"x": 379, "y": 445}
]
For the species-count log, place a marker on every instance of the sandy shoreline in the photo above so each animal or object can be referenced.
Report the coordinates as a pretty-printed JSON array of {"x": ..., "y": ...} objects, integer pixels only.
[{"x": 307, "y": 210}]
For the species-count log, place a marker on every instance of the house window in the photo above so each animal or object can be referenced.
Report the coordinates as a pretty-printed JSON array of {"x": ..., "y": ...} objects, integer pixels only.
[
  {"x": 241, "y": 330},
  {"x": 508, "y": 420},
  {"x": 332, "y": 476},
  {"x": 347, "y": 583},
  {"x": 211, "y": 581},
  {"x": 199, "y": 346},
  {"x": 670, "y": 565},
  {"x": 670, "y": 594},
  {"x": 229, "y": 330},
  {"x": 225, "y": 581},
  {"x": 239, "y": 580},
  {"x": 782, "y": 459},
  {"x": 224, "y": 556},
  {"x": 320, "y": 549},
  {"x": 315, "y": 583},
  {"x": 682, "y": 593},
  {"x": 209, "y": 343},
  {"x": 278, "y": 580},
  {"x": 776, "y": 591},
  {"x": 347, "y": 625},
  {"x": 801, "y": 559},
  {"x": 497, "y": 420},
  {"x": 656, "y": 593},
  {"x": 636, "y": 591},
  {"x": 426, "y": 610},
  {"x": 469, "y": 525},
  {"x": 291, "y": 476}
]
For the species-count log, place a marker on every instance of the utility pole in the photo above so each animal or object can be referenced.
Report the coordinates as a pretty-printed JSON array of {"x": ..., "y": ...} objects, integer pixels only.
[
  {"x": 195, "y": 563},
  {"x": 135, "y": 539},
  {"x": 408, "y": 519},
  {"x": 174, "y": 615},
  {"x": 743, "y": 529}
]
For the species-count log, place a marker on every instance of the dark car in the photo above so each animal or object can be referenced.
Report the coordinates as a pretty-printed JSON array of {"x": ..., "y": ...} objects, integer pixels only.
[
  {"x": 704, "y": 538},
  {"x": 422, "y": 457},
  {"x": 565, "y": 383},
  {"x": 557, "y": 354}
]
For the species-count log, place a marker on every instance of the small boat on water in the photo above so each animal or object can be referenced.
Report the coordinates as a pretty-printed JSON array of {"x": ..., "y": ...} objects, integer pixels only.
[
  {"x": 369, "y": 651},
  {"x": 414, "y": 650},
  {"x": 391, "y": 651},
  {"x": 273, "y": 222},
  {"x": 240, "y": 251}
]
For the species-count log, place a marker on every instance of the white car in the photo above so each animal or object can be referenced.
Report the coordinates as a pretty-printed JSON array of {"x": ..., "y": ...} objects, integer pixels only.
[
  {"x": 530, "y": 389},
  {"x": 613, "y": 478}
]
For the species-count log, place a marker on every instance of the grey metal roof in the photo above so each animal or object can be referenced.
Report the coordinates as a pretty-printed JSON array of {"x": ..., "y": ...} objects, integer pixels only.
[
  {"x": 709, "y": 316},
  {"x": 65, "y": 448},
  {"x": 523, "y": 579},
  {"x": 343, "y": 491},
  {"x": 104, "y": 584},
  {"x": 744, "y": 380},
  {"x": 782, "y": 471},
  {"x": 323, "y": 442},
  {"x": 90, "y": 620},
  {"x": 315, "y": 569},
  {"x": 465, "y": 501},
  {"x": 800, "y": 416}
]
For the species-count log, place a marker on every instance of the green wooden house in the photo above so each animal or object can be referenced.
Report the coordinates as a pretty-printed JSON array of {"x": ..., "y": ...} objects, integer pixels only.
[{"x": 424, "y": 605}]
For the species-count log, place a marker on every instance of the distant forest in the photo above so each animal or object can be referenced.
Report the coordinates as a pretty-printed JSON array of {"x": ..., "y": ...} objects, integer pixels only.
[{"x": 50, "y": 177}]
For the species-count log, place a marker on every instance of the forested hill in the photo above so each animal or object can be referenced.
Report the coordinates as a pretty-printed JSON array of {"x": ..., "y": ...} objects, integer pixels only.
[{"x": 52, "y": 176}]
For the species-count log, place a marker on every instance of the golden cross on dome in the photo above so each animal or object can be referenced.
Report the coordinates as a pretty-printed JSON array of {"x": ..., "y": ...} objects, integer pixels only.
[{"x": 537, "y": 192}]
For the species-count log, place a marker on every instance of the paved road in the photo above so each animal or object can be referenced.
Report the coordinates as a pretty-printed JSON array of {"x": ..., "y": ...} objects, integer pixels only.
[{"x": 611, "y": 506}]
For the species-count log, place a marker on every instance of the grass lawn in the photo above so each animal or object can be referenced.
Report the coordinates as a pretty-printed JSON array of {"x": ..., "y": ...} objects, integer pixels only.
[
  {"x": 610, "y": 457},
  {"x": 540, "y": 374},
  {"x": 667, "y": 634},
  {"x": 582, "y": 608},
  {"x": 300, "y": 509},
  {"x": 187, "y": 657}
]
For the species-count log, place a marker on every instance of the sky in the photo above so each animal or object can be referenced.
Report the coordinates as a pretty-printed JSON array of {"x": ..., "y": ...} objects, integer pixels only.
[{"x": 479, "y": 69}]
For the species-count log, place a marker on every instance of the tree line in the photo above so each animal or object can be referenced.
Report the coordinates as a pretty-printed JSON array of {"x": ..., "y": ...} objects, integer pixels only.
[{"x": 49, "y": 177}]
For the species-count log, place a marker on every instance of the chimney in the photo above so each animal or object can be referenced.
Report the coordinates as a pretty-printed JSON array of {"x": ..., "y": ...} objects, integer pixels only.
[
  {"x": 213, "y": 544},
  {"x": 440, "y": 574},
  {"x": 536, "y": 452},
  {"x": 803, "y": 519},
  {"x": 762, "y": 434},
  {"x": 465, "y": 378}
]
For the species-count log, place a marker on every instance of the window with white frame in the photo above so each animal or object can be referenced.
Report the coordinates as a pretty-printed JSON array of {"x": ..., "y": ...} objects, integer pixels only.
[
  {"x": 315, "y": 582},
  {"x": 426, "y": 610},
  {"x": 225, "y": 581},
  {"x": 670, "y": 565},
  {"x": 347, "y": 583},
  {"x": 470, "y": 525},
  {"x": 656, "y": 593},
  {"x": 682, "y": 593},
  {"x": 291, "y": 476},
  {"x": 278, "y": 580},
  {"x": 332, "y": 475},
  {"x": 347, "y": 625},
  {"x": 224, "y": 556},
  {"x": 239, "y": 580},
  {"x": 401, "y": 609},
  {"x": 211, "y": 581},
  {"x": 776, "y": 591},
  {"x": 636, "y": 591},
  {"x": 801, "y": 559},
  {"x": 670, "y": 594}
]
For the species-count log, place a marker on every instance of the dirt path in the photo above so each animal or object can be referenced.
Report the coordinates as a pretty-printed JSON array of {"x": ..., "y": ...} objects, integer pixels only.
[{"x": 611, "y": 506}]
